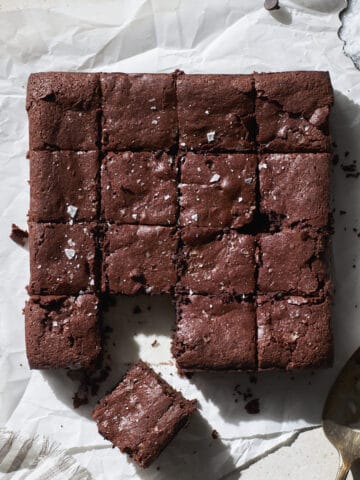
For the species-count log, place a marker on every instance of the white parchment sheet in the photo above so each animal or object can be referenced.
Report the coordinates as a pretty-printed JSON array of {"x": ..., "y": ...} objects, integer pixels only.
[{"x": 210, "y": 36}]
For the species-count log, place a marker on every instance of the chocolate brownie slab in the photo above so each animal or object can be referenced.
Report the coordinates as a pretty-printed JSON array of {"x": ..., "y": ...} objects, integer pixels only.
[
  {"x": 216, "y": 112},
  {"x": 63, "y": 110},
  {"x": 293, "y": 262},
  {"x": 295, "y": 188},
  {"x": 292, "y": 111},
  {"x": 139, "y": 259},
  {"x": 63, "y": 186},
  {"x": 214, "y": 333},
  {"x": 294, "y": 333},
  {"x": 217, "y": 191},
  {"x": 214, "y": 262},
  {"x": 140, "y": 188},
  {"x": 61, "y": 331},
  {"x": 142, "y": 415},
  {"x": 62, "y": 258},
  {"x": 138, "y": 111}
]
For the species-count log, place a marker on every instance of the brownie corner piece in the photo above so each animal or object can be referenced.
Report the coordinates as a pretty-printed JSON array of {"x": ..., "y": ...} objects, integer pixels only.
[
  {"x": 294, "y": 333},
  {"x": 294, "y": 262},
  {"x": 63, "y": 186},
  {"x": 214, "y": 262},
  {"x": 292, "y": 111},
  {"x": 142, "y": 414},
  {"x": 214, "y": 333},
  {"x": 63, "y": 258},
  {"x": 138, "y": 259},
  {"x": 217, "y": 191},
  {"x": 216, "y": 112},
  {"x": 139, "y": 188},
  {"x": 62, "y": 331},
  {"x": 139, "y": 111},
  {"x": 295, "y": 189},
  {"x": 63, "y": 109}
]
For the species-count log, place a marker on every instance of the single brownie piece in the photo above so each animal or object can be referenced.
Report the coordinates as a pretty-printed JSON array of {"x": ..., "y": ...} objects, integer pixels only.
[
  {"x": 139, "y": 188},
  {"x": 292, "y": 111},
  {"x": 214, "y": 333},
  {"x": 63, "y": 110},
  {"x": 143, "y": 414},
  {"x": 139, "y": 111},
  {"x": 217, "y": 191},
  {"x": 214, "y": 262},
  {"x": 216, "y": 112},
  {"x": 295, "y": 188},
  {"x": 294, "y": 333},
  {"x": 139, "y": 259},
  {"x": 62, "y": 258},
  {"x": 62, "y": 332},
  {"x": 293, "y": 261},
  {"x": 63, "y": 186}
]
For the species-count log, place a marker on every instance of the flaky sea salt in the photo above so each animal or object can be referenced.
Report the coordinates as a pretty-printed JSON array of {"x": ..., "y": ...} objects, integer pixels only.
[
  {"x": 215, "y": 178},
  {"x": 195, "y": 217},
  {"x": 71, "y": 210},
  {"x": 70, "y": 253},
  {"x": 211, "y": 136}
]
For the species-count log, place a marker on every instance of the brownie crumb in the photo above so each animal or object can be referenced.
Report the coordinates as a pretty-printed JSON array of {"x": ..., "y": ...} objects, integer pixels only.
[
  {"x": 79, "y": 400},
  {"x": 215, "y": 434},
  {"x": 342, "y": 212},
  {"x": 137, "y": 309},
  {"x": 253, "y": 406},
  {"x": 335, "y": 159},
  {"x": 252, "y": 379},
  {"x": 155, "y": 343},
  {"x": 19, "y": 236}
]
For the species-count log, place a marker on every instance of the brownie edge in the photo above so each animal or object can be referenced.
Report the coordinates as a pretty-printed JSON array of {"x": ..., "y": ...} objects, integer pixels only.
[{"x": 142, "y": 414}]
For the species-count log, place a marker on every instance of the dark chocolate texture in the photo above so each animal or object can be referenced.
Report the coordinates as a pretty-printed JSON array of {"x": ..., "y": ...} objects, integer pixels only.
[{"x": 142, "y": 415}]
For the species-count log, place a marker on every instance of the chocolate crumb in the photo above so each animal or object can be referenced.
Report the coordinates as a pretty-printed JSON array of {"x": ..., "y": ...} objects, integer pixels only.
[
  {"x": 19, "y": 236},
  {"x": 137, "y": 309},
  {"x": 347, "y": 153},
  {"x": 253, "y": 406},
  {"x": 271, "y": 4},
  {"x": 342, "y": 212},
  {"x": 79, "y": 399},
  {"x": 215, "y": 435},
  {"x": 155, "y": 343}
]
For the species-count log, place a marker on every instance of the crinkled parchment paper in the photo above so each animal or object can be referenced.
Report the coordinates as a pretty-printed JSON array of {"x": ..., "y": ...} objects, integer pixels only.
[{"x": 160, "y": 36}]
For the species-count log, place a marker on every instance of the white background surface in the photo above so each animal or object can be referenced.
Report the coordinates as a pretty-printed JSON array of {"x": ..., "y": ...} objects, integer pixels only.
[{"x": 227, "y": 36}]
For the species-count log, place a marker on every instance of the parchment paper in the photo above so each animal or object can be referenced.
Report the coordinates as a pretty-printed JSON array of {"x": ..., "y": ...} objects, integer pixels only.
[{"x": 160, "y": 36}]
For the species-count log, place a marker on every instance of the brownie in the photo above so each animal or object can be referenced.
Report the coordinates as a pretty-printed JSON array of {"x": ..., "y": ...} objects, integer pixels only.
[
  {"x": 140, "y": 188},
  {"x": 216, "y": 262},
  {"x": 294, "y": 333},
  {"x": 63, "y": 186},
  {"x": 217, "y": 191},
  {"x": 138, "y": 111},
  {"x": 142, "y": 414},
  {"x": 216, "y": 112},
  {"x": 139, "y": 259},
  {"x": 62, "y": 258},
  {"x": 62, "y": 331},
  {"x": 214, "y": 333},
  {"x": 294, "y": 262},
  {"x": 292, "y": 111},
  {"x": 63, "y": 110},
  {"x": 295, "y": 188}
]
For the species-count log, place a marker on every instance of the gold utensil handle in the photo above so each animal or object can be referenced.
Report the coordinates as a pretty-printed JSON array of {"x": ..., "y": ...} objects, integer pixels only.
[{"x": 343, "y": 471}]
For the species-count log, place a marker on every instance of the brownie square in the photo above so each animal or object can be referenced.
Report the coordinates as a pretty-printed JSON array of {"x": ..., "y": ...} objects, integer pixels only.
[
  {"x": 295, "y": 188},
  {"x": 62, "y": 258},
  {"x": 61, "y": 331},
  {"x": 63, "y": 110},
  {"x": 293, "y": 261},
  {"x": 63, "y": 186},
  {"x": 292, "y": 111},
  {"x": 216, "y": 112},
  {"x": 214, "y": 333},
  {"x": 142, "y": 415},
  {"x": 217, "y": 191},
  {"x": 139, "y": 259},
  {"x": 140, "y": 188},
  {"x": 216, "y": 262},
  {"x": 139, "y": 111},
  {"x": 294, "y": 333}
]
